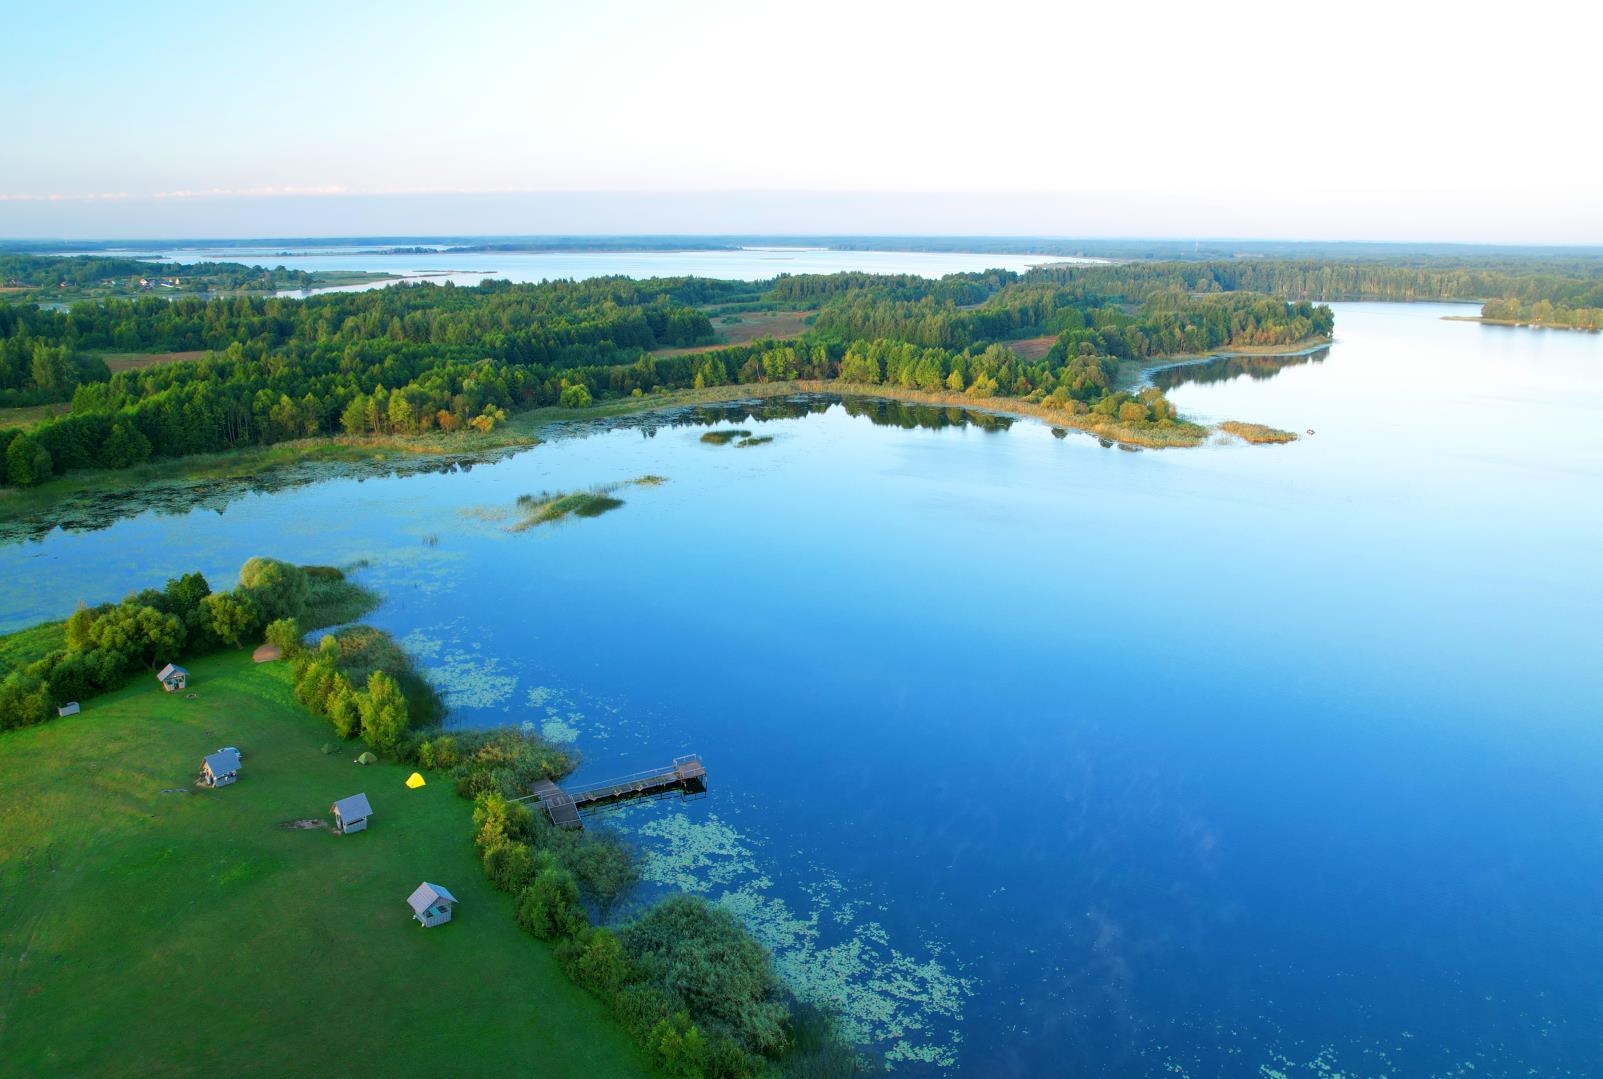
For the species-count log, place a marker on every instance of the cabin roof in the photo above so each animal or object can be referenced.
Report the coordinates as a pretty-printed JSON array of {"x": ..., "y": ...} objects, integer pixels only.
[
  {"x": 170, "y": 669},
  {"x": 353, "y": 808},
  {"x": 427, "y": 895},
  {"x": 222, "y": 762}
]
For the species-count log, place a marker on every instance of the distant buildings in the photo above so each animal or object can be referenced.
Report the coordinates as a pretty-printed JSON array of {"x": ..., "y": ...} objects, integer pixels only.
[
  {"x": 173, "y": 677},
  {"x": 220, "y": 768},
  {"x": 350, "y": 814},
  {"x": 431, "y": 904}
]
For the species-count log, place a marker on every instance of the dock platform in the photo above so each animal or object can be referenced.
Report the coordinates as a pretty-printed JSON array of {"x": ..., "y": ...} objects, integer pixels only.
[{"x": 686, "y": 777}]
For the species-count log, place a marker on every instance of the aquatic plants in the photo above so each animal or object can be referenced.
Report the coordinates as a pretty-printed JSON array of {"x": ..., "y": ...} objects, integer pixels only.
[
  {"x": 549, "y": 507},
  {"x": 1257, "y": 433},
  {"x": 723, "y": 438}
]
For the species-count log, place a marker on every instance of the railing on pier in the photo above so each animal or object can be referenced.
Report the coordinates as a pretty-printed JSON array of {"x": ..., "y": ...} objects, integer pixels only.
[{"x": 687, "y": 777}]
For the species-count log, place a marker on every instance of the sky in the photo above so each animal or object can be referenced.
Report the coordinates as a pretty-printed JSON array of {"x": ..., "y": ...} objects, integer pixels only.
[{"x": 1365, "y": 121}]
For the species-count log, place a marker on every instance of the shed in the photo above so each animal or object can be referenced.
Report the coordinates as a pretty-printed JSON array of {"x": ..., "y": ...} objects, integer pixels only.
[
  {"x": 431, "y": 904},
  {"x": 173, "y": 677},
  {"x": 220, "y": 768},
  {"x": 68, "y": 709},
  {"x": 350, "y": 814}
]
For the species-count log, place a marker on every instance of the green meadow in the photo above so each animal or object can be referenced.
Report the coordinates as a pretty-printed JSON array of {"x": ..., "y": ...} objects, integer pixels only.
[{"x": 145, "y": 931}]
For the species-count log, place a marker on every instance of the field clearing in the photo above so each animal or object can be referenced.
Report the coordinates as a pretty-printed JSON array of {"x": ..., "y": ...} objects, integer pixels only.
[
  {"x": 144, "y": 932},
  {"x": 753, "y": 326},
  {"x": 130, "y": 361},
  {"x": 32, "y": 414},
  {"x": 1032, "y": 348}
]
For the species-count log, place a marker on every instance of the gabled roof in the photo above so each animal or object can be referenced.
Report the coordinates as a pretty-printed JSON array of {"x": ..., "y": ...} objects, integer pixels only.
[
  {"x": 171, "y": 668},
  {"x": 353, "y": 808},
  {"x": 426, "y": 896},
  {"x": 223, "y": 761}
]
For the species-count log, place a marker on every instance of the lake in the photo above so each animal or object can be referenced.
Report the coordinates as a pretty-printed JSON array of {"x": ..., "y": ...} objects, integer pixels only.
[
  {"x": 471, "y": 267},
  {"x": 1034, "y": 756}
]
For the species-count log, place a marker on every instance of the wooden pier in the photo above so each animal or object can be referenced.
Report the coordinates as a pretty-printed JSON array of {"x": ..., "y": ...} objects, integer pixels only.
[{"x": 686, "y": 777}]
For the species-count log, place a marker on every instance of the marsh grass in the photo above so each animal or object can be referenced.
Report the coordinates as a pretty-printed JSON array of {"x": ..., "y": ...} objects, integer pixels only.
[
  {"x": 332, "y": 599},
  {"x": 723, "y": 438},
  {"x": 758, "y": 440},
  {"x": 25, "y": 646},
  {"x": 549, "y": 507},
  {"x": 1257, "y": 433}
]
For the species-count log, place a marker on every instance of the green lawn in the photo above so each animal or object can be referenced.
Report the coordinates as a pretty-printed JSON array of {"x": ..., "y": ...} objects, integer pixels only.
[{"x": 144, "y": 933}]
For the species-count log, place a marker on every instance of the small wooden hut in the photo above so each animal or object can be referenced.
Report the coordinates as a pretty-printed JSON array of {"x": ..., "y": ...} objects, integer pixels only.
[
  {"x": 350, "y": 814},
  {"x": 220, "y": 769},
  {"x": 431, "y": 904}
]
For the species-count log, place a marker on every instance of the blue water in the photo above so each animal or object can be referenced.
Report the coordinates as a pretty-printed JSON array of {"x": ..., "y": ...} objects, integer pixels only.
[
  {"x": 1039, "y": 757},
  {"x": 468, "y": 268}
]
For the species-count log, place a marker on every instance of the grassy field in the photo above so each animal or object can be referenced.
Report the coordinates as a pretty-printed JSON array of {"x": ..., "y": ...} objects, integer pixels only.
[
  {"x": 151, "y": 933},
  {"x": 753, "y": 326},
  {"x": 130, "y": 361},
  {"x": 29, "y": 415}
]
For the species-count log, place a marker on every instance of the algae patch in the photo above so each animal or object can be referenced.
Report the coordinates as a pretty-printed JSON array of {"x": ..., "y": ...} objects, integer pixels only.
[{"x": 906, "y": 1002}]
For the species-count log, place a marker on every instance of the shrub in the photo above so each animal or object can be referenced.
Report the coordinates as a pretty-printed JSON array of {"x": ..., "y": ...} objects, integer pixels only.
[
  {"x": 285, "y": 633},
  {"x": 712, "y": 968},
  {"x": 510, "y": 866},
  {"x": 549, "y": 906},
  {"x": 594, "y": 959}
]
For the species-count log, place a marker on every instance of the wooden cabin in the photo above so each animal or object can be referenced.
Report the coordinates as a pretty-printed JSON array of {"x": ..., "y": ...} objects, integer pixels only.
[
  {"x": 173, "y": 678},
  {"x": 350, "y": 814},
  {"x": 220, "y": 768},
  {"x": 431, "y": 904}
]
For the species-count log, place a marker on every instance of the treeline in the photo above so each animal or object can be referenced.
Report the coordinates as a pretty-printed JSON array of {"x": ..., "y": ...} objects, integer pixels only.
[
  {"x": 110, "y": 643},
  {"x": 1164, "y": 322},
  {"x": 87, "y": 272},
  {"x": 1544, "y": 313},
  {"x": 1576, "y": 282},
  {"x": 34, "y": 372}
]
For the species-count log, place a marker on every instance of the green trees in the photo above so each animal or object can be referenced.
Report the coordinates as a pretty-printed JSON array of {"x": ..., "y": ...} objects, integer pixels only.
[
  {"x": 549, "y": 906},
  {"x": 383, "y": 711},
  {"x": 232, "y": 617},
  {"x": 27, "y": 462},
  {"x": 277, "y": 589}
]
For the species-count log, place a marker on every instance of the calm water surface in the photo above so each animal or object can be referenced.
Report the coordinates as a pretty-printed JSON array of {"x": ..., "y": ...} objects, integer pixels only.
[
  {"x": 1037, "y": 757},
  {"x": 745, "y": 264}
]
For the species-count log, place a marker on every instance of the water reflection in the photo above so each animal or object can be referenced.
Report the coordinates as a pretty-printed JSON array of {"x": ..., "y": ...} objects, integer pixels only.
[
  {"x": 1225, "y": 368},
  {"x": 91, "y": 511}
]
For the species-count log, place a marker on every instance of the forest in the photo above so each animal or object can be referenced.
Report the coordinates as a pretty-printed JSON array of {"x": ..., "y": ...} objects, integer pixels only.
[{"x": 413, "y": 359}]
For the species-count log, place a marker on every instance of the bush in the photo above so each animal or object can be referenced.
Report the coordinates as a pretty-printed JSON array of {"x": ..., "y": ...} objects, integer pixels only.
[
  {"x": 712, "y": 968},
  {"x": 285, "y": 634},
  {"x": 594, "y": 959},
  {"x": 438, "y": 753},
  {"x": 549, "y": 906},
  {"x": 510, "y": 866}
]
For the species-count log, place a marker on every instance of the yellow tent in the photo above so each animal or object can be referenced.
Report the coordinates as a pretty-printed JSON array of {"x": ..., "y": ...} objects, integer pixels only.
[{"x": 414, "y": 781}]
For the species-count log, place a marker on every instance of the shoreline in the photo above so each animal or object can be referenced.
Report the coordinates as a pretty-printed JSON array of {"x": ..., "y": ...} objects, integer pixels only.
[
  {"x": 1519, "y": 323},
  {"x": 1137, "y": 373},
  {"x": 84, "y": 493}
]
